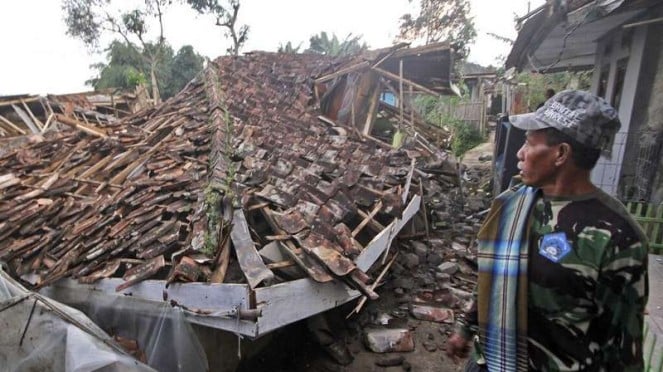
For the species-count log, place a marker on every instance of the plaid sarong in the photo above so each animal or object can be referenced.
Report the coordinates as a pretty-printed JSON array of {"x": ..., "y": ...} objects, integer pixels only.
[{"x": 502, "y": 288}]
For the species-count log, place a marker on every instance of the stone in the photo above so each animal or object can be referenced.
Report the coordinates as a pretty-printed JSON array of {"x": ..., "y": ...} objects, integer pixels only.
[
  {"x": 430, "y": 346},
  {"x": 389, "y": 340},
  {"x": 390, "y": 360},
  {"x": 462, "y": 240},
  {"x": 420, "y": 249},
  {"x": 459, "y": 247},
  {"x": 403, "y": 282},
  {"x": 432, "y": 313},
  {"x": 434, "y": 259},
  {"x": 410, "y": 260},
  {"x": 448, "y": 268},
  {"x": 437, "y": 245},
  {"x": 339, "y": 352},
  {"x": 443, "y": 277}
]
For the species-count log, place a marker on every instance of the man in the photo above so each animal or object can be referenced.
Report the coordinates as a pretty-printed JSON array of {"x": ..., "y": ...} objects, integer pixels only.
[
  {"x": 550, "y": 92},
  {"x": 562, "y": 267}
]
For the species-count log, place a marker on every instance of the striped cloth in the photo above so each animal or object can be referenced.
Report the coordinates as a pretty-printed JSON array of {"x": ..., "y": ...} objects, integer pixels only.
[{"x": 502, "y": 287}]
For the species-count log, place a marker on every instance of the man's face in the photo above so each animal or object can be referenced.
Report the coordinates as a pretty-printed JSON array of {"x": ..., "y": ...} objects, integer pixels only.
[{"x": 536, "y": 160}]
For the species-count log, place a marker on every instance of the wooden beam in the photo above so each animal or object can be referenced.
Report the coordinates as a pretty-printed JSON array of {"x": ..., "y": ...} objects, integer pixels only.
[
  {"x": 19, "y": 100},
  {"x": 372, "y": 110},
  {"x": 48, "y": 122},
  {"x": 12, "y": 125},
  {"x": 80, "y": 126},
  {"x": 405, "y": 81},
  {"x": 344, "y": 71},
  {"x": 363, "y": 299},
  {"x": 400, "y": 92},
  {"x": 368, "y": 218},
  {"x": 39, "y": 124}
]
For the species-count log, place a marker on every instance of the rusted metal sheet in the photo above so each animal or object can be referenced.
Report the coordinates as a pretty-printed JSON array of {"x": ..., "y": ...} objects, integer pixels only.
[{"x": 249, "y": 260}]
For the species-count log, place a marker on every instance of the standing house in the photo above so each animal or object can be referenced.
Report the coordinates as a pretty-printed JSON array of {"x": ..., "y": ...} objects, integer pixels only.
[{"x": 620, "y": 41}]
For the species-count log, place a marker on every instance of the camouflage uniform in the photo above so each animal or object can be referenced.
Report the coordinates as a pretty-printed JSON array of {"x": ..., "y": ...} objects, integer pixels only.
[
  {"x": 587, "y": 287},
  {"x": 586, "y": 300}
]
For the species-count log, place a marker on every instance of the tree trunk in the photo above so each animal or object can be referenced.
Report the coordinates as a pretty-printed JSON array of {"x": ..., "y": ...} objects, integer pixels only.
[{"x": 155, "y": 87}]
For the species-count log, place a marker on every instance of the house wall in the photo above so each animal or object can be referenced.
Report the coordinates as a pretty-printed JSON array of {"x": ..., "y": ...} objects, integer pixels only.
[
  {"x": 653, "y": 135},
  {"x": 641, "y": 178},
  {"x": 618, "y": 65}
]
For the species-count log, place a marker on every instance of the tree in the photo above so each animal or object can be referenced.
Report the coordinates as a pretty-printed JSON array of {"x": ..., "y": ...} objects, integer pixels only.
[
  {"x": 226, "y": 16},
  {"x": 88, "y": 20},
  {"x": 125, "y": 67},
  {"x": 288, "y": 48},
  {"x": 182, "y": 69},
  {"x": 124, "y": 70},
  {"x": 441, "y": 21},
  {"x": 323, "y": 44}
]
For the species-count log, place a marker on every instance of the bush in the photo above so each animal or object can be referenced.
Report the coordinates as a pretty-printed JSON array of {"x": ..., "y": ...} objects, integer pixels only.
[{"x": 464, "y": 138}]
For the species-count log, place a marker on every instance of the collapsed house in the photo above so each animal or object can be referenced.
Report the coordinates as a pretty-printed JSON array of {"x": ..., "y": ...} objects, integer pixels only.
[
  {"x": 234, "y": 201},
  {"x": 26, "y": 114}
]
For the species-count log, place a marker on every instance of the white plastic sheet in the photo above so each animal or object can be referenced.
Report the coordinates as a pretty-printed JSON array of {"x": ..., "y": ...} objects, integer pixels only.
[{"x": 39, "y": 334}]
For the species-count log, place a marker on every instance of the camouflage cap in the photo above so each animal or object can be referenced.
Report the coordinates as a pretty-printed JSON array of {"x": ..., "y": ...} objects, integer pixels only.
[{"x": 588, "y": 119}]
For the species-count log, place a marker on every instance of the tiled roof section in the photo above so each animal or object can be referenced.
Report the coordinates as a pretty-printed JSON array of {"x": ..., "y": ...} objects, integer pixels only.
[{"x": 155, "y": 198}]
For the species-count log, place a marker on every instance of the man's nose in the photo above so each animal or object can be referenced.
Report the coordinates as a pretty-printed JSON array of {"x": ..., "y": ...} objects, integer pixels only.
[{"x": 520, "y": 154}]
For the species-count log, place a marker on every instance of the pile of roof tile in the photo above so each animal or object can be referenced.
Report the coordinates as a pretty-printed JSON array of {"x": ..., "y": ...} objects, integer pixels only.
[{"x": 238, "y": 157}]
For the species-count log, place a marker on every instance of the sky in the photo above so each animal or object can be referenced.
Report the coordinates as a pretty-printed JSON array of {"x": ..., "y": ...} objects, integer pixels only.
[{"x": 39, "y": 58}]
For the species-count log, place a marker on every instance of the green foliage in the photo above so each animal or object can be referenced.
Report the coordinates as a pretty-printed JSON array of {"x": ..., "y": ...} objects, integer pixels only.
[
  {"x": 126, "y": 69},
  {"x": 436, "y": 111},
  {"x": 180, "y": 70},
  {"x": 535, "y": 85},
  {"x": 332, "y": 46},
  {"x": 89, "y": 20},
  {"x": 213, "y": 209},
  {"x": 441, "y": 20},
  {"x": 464, "y": 137},
  {"x": 288, "y": 48}
]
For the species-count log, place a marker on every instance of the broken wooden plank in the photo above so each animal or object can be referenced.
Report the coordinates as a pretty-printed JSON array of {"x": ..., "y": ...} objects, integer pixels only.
[
  {"x": 80, "y": 126},
  {"x": 383, "y": 240},
  {"x": 249, "y": 260},
  {"x": 363, "y": 299}
]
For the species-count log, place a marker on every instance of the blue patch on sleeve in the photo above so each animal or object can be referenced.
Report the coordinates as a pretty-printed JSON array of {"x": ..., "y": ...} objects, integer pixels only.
[{"x": 554, "y": 246}]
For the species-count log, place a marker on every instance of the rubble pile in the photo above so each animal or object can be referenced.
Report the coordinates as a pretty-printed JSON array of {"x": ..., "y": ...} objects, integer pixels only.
[
  {"x": 239, "y": 156},
  {"x": 426, "y": 290}
]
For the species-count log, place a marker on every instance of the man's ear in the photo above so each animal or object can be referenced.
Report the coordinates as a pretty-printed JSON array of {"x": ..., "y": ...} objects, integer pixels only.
[{"x": 563, "y": 154}]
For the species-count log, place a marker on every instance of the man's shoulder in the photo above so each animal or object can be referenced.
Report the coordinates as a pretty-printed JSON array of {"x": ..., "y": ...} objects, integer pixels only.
[{"x": 605, "y": 213}]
